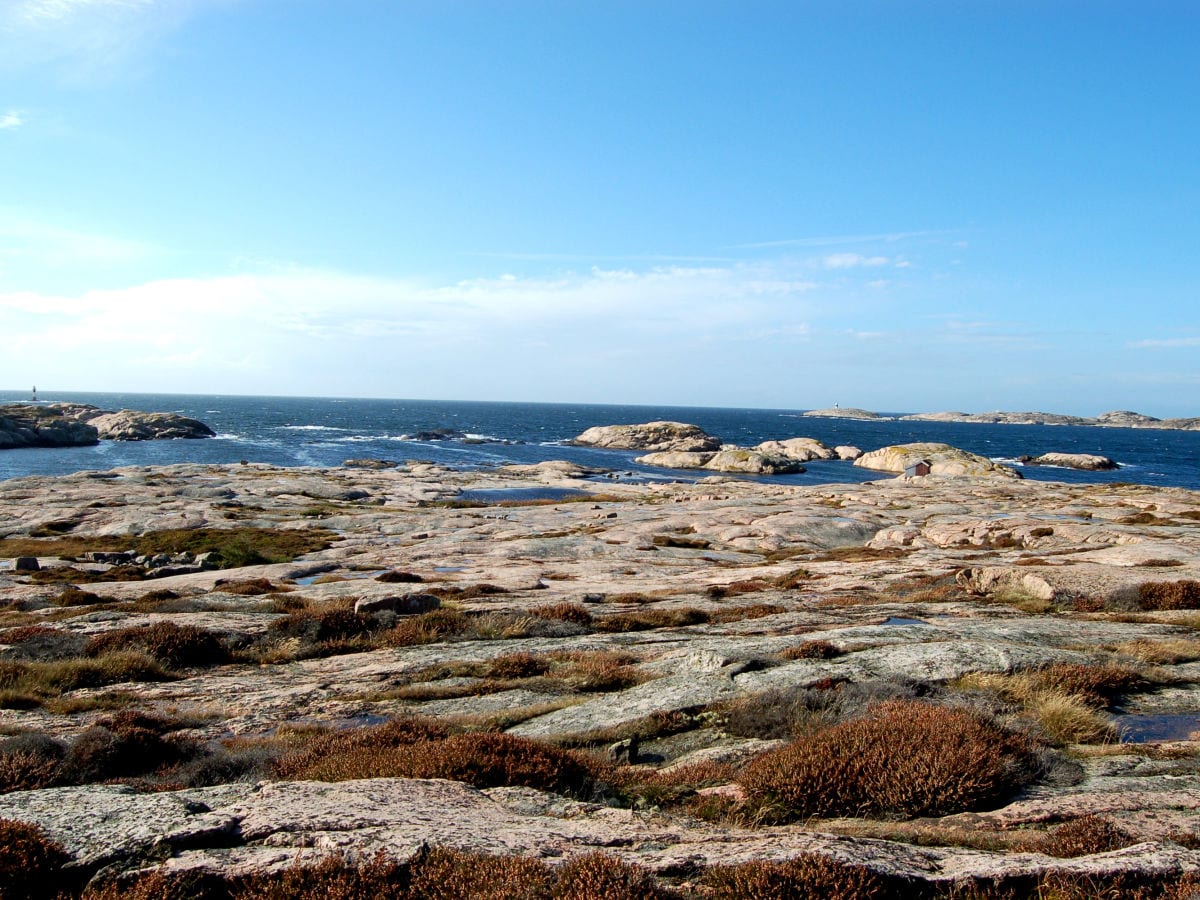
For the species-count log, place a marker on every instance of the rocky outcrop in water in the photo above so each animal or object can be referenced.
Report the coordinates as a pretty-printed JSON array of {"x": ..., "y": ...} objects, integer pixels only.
[
  {"x": 942, "y": 458},
  {"x": 78, "y": 424},
  {"x": 42, "y": 426},
  {"x": 1088, "y": 462},
  {"x": 846, "y": 412},
  {"x": 728, "y": 459},
  {"x": 801, "y": 449},
  {"x": 655, "y": 436}
]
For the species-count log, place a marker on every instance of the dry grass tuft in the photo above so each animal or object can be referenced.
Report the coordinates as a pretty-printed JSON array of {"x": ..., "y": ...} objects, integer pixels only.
[
  {"x": 1161, "y": 653},
  {"x": 905, "y": 758},
  {"x": 597, "y": 670},
  {"x": 428, "y": 628},
  {"x": 248, "y": 587},
  {"x": 519, "y": 665}
]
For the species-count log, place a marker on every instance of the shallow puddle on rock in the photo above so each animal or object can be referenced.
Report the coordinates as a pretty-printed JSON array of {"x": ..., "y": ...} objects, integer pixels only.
[
  {"x": 1146, "y": 729},
  {"x": 903, "y": 620}
]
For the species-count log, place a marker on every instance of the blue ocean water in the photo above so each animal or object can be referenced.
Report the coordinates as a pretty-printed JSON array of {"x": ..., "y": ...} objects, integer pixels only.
[{"x": 296, "y": 431}]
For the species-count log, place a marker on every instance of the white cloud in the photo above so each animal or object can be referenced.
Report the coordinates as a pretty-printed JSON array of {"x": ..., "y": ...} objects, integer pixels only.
[
  {"x": 30, "y": 240},
  {"x": 1151, "y": 343},
  {"x": 853, "y": 261},
  {"x": 300, "y": 330},
  {"x": 90, "y": 41},
  {"x": 11, "y": 119}
]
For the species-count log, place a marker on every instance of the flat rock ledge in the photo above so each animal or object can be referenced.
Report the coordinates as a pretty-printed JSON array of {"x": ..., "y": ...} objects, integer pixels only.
[
  {"x": 265, "y": 827},
  {"x": 656, "y": 436},
  {"x": 1086, "y": 461}
]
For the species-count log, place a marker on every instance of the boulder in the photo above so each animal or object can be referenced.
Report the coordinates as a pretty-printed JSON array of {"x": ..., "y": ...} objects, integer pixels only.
[
  {"x": 370, "y": 464},
  {"x": 752, "y": 462},
  {"x": 943, "y": 460},
  {"x": 801, "y": 449},
  {"x": 649, "y": 436},
  {"x": 406, "y": 605},
  {"x": 131, "y": 425},
  {"x": 848, "y": 452},
  {"x": 675, "y": 459},
  {"x": 730, "y": 459},
  {"x": 1086, "y": 461}
]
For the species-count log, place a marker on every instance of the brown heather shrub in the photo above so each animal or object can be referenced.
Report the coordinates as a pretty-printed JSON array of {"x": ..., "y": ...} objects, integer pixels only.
[
  {"x": 518, "y": 665},
  {"x": 1083, "y": 836},
  {"x": 599, "y": 875},
  {"x": 1169, "y": 595},
  {"x": 397, "y": 577},
  {"x": 563, "y": 612},
  {"x": 480, "y": 759},
  {"x": 30, "y": 863},
  {"x": 174, "y": 645},
  {"x": 248, "y": 587},
  {"x": 1159, "y": 563},
  {"x": 428, "y": 628},
  {"x": 804, "y": 877},
  {"x": 317, "y": 625},
  {"x": 30, "y": 761},
  {"x": 651, "y": 618},
  {"x": 394, "y": 733},
  {"x": 446, "y": 874},
  {"x": 73, "y": 596},
  {"x": 905, "y": 758},
  {"x": 734, "y": 588},
  {"x": 1087, "y": 604},
  {"x": 1095, "y": 685},
  {"x": 816, "y": 649},
  {"x": 25, "y": 633},
  {"x": 731, "y": 614}
]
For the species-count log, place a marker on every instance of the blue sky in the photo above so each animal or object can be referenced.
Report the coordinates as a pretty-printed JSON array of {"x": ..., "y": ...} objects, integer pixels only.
[{"x": 895, "y": 205}]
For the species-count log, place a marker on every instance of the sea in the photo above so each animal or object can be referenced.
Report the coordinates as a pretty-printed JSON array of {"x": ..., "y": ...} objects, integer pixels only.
[{"x": 322, "y": 432}]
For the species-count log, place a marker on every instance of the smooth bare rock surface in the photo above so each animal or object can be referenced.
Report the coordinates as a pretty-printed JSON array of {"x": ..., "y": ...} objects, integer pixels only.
[
  {"x": 676, "y": 436},
  {"x": 943, "y": 460},
  {"x": 1087, "y": 461},
  {"x": 131, "y": 425},
  {"x": 42, "y": 426},
  {"x": 847, "y": 451},
  {"x": 911, "y": 581}
]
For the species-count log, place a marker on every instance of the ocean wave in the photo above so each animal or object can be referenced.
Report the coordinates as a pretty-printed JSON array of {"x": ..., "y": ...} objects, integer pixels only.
[{"x": 311, "y": 428}]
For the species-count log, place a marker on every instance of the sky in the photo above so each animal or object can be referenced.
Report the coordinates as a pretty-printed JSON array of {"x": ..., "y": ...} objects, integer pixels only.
[{"x": 902, "y": 206}]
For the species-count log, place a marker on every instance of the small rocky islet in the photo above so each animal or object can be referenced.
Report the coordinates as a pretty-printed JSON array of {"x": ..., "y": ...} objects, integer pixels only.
[
  {"x": 24, "y": 425},
  {"x": 232, "y": 670}
]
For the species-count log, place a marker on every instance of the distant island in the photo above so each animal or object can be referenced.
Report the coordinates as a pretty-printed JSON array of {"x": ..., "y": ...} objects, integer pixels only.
[{"x": 1121, "y": 418}]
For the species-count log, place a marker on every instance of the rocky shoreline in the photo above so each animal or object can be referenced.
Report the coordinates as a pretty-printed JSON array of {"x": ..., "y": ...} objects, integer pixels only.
[
  {"x": 82, "y": 425},
  {"x": 667, "y": 635}
]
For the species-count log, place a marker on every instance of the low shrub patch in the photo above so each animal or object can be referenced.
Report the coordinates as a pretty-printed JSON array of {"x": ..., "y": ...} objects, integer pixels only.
[
  {"x": 816, "y": 649},
  {"x": 597, "y": 670},
  {"x": 731, "y": 614},
  {"x": 43, "y": 680},
  {"x": 518, "y": 665},
  {"x": 650, "y": 619},
  {"x": 30, "y": 863},
  {"x": 563, "y": 612},
  {"x": 1084, "y": 836},
  {"x": 1169, "y": 595},
  {"x": 428, "y": 628},
  {"x": 173, "y": 645},
  {"x": 480, "y": 759},
  {"x": 1094, "y": 685},
  {"x": 398, "y": 732},
  {"x": 802, "y": 878},
  {"x": 904, "y": 758}
]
